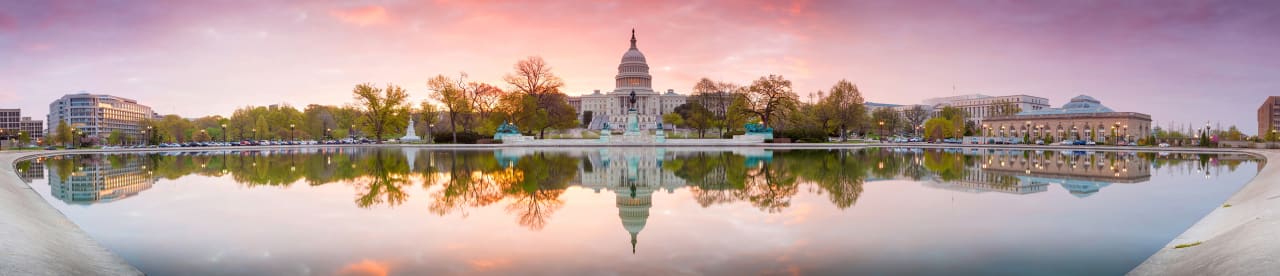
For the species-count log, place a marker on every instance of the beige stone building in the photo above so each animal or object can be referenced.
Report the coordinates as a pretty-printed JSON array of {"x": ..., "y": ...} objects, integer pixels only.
[
  {"x": 1084, "y": 118},
  {"x": 633, "y": 77}
]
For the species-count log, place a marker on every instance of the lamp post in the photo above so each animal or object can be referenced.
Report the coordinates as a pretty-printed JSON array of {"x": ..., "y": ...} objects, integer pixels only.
[
  {"x": 144, "y": 134},
  {"x": 431, "y": 137},
  {"x": 255, "y": 134},
  {"x": 149, "y": 136},
  {"x": 326, "y": 133},
  {"x": 291, "y": 137},
  {"x": 881, "y": 130},
  {"x": 204, "y": 134},
  {"x": 224, "y": 132}
]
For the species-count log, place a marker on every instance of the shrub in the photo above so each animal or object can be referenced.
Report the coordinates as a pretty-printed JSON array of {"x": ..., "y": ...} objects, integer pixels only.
[
  {"x": 730, "y": 134},
  {"x": 802, "y": 135},
  {"x": 463, "y": 138}
]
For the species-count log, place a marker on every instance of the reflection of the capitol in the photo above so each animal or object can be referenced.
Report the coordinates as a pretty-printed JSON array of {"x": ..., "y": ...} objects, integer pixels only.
[
  {"x": 634, "y": 175},
  {"x": 97, "y": 178}
]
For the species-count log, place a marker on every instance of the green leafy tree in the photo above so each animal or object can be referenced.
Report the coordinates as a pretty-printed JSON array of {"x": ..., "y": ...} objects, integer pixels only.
[
  {"x": 63, "y": 135},
  {"x": 24, "y": 138},
  {"x": 846, "y": 107},
  {"x": 957, "y": 117},
  {"x": 381, "y": 107},
  {"x": 116, "y": 137},
  {"x": 939, "y": 128}
]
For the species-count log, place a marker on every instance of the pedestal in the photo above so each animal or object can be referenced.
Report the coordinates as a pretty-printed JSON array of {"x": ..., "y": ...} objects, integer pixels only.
[
  {"x": 604, "y": 135},
  {"x": 633, "y": 123}
]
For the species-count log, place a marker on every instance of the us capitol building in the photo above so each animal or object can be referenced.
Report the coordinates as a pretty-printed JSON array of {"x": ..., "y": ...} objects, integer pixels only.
[{"x": 633, "y": 76}]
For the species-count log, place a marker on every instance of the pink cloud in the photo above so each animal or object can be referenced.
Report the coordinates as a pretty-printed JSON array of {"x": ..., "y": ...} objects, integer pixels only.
[{"x": 362, "y": 16}]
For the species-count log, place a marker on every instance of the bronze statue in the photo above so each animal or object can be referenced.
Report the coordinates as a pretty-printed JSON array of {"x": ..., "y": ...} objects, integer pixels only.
[{"x": 632, "y": 100}]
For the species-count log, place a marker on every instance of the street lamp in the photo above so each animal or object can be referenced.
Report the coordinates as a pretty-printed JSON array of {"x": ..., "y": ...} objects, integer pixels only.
[
  {"x": 326, "y": 133},
  {"x": 204, "y": 133},
  {"x": 144, "y": 134},
  {"x": 149, "y": 137},
  {"x": 431, "y": 138},
  {"x": 291, "y": 138},
  {"x": 224, "y": 132},
  {"x": 881, "y": 130}
]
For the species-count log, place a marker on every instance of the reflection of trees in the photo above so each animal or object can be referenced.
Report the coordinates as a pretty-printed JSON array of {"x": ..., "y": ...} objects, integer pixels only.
[
  {"x": 711, "y": 176},
  {"x": 769, "y": 187},
  {"x": 947, "y": 165},
  {"x": 385, "y": 182},
  {"x": 840, "y": 174},
  {"x": 536, "y": 195},
  {"x": 473, "y": 180},
  {"x": 532, "y": 186}
]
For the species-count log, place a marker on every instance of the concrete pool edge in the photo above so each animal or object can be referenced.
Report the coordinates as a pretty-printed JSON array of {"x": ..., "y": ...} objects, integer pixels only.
[
  {"x": 1238, "y": 238},
  {"x": 39, "y": 239}
]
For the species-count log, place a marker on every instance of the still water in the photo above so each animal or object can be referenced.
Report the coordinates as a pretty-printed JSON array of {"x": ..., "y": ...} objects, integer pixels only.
[{"x": 348, "y": 211}]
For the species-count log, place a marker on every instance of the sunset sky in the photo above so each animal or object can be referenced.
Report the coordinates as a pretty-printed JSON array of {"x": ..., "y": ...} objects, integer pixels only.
[{"x": 1180, "y": 61}]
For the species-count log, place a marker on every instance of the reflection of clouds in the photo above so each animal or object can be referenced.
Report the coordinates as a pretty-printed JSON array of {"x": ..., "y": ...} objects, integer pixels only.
[
  {"x": 489, "y": 264},
  {"x": 366, "y": 267}
]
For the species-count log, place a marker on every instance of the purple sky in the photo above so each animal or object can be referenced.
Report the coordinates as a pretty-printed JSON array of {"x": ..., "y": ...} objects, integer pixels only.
[{"x": 1180, "y": 61}]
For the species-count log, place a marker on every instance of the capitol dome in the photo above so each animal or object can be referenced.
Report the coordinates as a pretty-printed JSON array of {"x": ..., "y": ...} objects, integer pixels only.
[{"x": 633, "y": 72}]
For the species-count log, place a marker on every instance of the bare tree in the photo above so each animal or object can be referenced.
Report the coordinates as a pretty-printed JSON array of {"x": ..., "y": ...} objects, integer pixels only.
[
  {"x": 770, "y": 97},
  {"x": 533, "y": 77},
  {"x": 453, "y": 98},
  {"x": 915, "y": 117}
]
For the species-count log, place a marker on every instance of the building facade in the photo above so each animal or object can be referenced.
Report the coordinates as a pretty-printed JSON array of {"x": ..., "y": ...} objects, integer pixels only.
[
  {"x": 13, "y": 124},
  {"x": 979, "y": 106},
  {"x": 633, "y": 77},
  {"x": 1269, "y": 116},
  {"x": 98, "y": 115},
  {"x": 99, "y": 181},
  {"x": 1084, "y": 118}
]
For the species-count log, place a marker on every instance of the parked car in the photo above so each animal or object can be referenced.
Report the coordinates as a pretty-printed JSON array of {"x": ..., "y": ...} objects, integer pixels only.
[
  {"x": 1079, "y": 142},
  {"x": 1039, "y": 142},
  {"x": 1091, "y": 143},
  {"x": 1164, "y": 145},
  {"x": 50, "y": 148}
]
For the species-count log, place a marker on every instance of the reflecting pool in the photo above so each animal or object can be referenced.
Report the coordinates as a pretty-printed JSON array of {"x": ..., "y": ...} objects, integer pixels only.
[{"x": 675, "y": 211}]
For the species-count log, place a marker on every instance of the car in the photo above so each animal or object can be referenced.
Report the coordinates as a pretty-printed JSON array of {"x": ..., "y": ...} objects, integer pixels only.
[
  {"x": 1091, "y": 143},
  {"x": 1066, "y": 143},
  {"x": 50, "y": 148},
  {"x": 1079, "y": 142},
  {"x": 1164, "y": 145},
  {"x": 1039, "y": 142}
]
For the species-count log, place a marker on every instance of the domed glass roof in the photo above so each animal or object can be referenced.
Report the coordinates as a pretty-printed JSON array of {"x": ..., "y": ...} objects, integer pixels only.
[{"x": 1078, "y": 105}]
